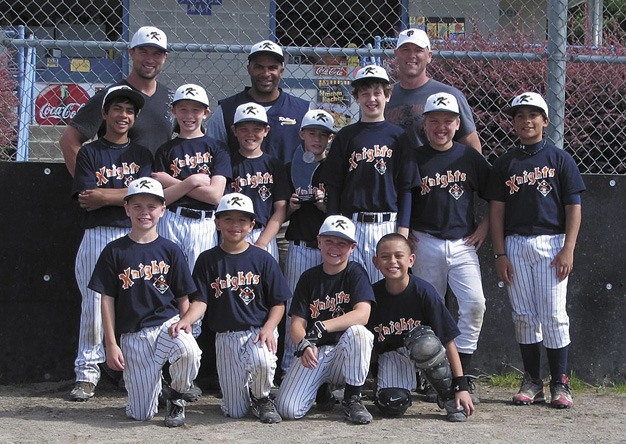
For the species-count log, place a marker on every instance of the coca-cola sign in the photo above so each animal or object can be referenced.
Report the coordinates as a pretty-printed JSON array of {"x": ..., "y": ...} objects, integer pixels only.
[
  {"x": 330, "y": 71},
  {"x": 57, "y": 104}
]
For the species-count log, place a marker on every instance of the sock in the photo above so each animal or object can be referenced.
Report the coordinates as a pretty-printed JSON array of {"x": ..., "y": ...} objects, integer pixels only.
[
  {"x": 531, "y": 357},
  {"x": 466, "y": 362},
  {"x": 557, "y": 358},
  {"x": 350, "y": 391}
]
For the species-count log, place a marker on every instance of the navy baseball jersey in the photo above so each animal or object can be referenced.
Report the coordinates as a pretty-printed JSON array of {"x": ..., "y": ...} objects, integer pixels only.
[
  {"x": 305, "y": 223},
  {"x": 102, "y": 164},
  {"x": 153, "y": 125},
  {"x": 368, "y": 164},
  {"x": 181, "y": 158},
  {"x": 320, "y": 296},
  {"x": 535, "y": 182},
  {"x": 263, "y": 179},
  {"x": 284, "y": 118},
  {"x": 239, "y": 289},
  {"x": 406, "y": 107},
  {"x": 443, "y": 205},
  {"x": 144, "y": 279},
  {"x": 395, "y": 314}
]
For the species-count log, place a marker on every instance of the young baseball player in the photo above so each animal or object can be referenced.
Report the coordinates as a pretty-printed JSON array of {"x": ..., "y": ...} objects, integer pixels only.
[
  {"x": 193, "y": 168},
  {"x": 246, "y": 293},
  {"x": 413, "y": 329},
  {"x": 307, "y": 206},
  {"x": 443, "y": 220},
  {"x": 369, "y": 177},
  {"x": 104, "y": 168},
  {"x": 535, "y": 215},
  {"x": 259, "y": 176},
  {"x": 144, "y": 281},
  {"x": 330, "y": 309}
]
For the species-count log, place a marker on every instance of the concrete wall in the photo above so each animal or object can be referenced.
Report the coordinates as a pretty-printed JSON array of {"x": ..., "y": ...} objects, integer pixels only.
[{"x": 41, "y": 233}]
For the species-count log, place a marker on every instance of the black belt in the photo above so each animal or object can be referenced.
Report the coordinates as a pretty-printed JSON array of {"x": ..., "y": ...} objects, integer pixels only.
[
  {"x": 308, "y": 244},
  {"x": 191, "y": 213},
  {"x": 372, "y": 218}
]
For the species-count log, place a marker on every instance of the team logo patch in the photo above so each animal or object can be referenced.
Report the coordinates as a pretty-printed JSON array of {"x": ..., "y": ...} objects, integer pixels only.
[
  {"x": 338, "y": 312},
  {"x": 286, "y": 121},
  {"x": 128, "y": 180},
  {"x": 247, "y": 295},
  {"x": 204, "y": 169},
  {"x": 456, "y": 191},
  {"x": 264, "y": 192},
  {"x": 161, "y": 284},
  {"x": 381, "y": 166},
  {"x": 544, "y": 188}
]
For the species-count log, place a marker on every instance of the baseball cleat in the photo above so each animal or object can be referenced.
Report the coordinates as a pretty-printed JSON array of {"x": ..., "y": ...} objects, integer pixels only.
[
  {"x": 560, "y": 393},
  {"x": 264, "y": 409},
  {"x": 82, "y": 391},
  {"x": 531, "y": 391},
  {"x": 175, "y": 416},
  {"x": 355, "y": 411},
  {"x": 452, "y": 413}
]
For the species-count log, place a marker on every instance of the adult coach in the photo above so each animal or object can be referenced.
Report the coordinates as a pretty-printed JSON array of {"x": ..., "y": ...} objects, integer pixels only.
[
  {"x": 284, "y": 111},
  {"x": 413, "y": 53},
  {"x": 153, "y": 127}
]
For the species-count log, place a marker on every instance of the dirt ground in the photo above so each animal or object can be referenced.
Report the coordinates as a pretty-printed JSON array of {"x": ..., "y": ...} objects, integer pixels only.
[{"x": 38, "y": 413}]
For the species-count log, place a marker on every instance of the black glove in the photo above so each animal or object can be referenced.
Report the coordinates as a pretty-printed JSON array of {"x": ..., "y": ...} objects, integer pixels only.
[
  {"x": 316, "y": 333},
  {"x": 301, "y": 347}
]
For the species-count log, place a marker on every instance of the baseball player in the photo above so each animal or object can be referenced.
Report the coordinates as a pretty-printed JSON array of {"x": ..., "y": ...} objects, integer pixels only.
[
  {"x": 104, "y": 168},
  {"x": 330, "y": 308},
  {"x": 259, "y": 176},
  {"x": 413, "y": 329},
  {"x": 144, "y": 281},
  {"x": 284, "y": 111},
  {"x": 535, "y": 215},
  {"x": 246, "y": 293},
  {"x": 307, "y": 205},
  {"x": 443, "y": 220},
  {"x": 194, "y": 169},
  {"x": 368, "y": 175},
  {"x": 148, "y": 52}
]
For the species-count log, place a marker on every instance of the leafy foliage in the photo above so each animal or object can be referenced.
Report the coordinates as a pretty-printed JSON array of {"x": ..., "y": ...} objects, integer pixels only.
[{"x": 8, "y": 107}]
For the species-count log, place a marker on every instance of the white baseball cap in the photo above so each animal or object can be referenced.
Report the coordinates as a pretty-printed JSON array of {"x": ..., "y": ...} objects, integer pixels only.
[
  {"x": 441, "y": 102},
  {"x": 528, "y": 99},
  {"x": 123, "y": 91},
  {"x": 415, "y": 36},
  {"x": 149, "y": 36},
  {"x": 193, "y": 92},
  {"x": 236, "y": 202},
  {"x": 250, "y": 112},
  {"x": 318, "y": 119},
  {"x": 145, "y": 185},
  {"x": 371, "y": 72},
  {"x": 267, "y": 47},
  {"x": 338, "y": 226}
]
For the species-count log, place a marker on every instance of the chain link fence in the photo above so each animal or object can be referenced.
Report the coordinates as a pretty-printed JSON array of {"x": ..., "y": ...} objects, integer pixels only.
[{"x": 57, "y": 53}]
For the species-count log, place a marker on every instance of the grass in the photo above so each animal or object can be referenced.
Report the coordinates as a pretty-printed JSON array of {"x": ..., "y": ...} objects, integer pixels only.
[{"x": 513, "y": 380}]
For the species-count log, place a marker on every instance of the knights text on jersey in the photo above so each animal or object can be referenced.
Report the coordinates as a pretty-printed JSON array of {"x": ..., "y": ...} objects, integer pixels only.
[
  {"x": 102, "y": 164},
  {"x": 319, "y": 296},
  {"x": 395, "y": 314},
  {"x": 536, "y": 188},
  {"x": 264, "y": 180},
  {"x": 443, "y": 205},
  {"x": 239, "y": 289},
  {"x": 181, "y": 158},
  {"x": 145, "y": 280}
]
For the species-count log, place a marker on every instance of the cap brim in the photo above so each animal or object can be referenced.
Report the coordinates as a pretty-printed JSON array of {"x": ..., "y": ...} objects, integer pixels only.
[
  {"x": 271, "y": 53},
  {"x": 161, "y": 198},
  {"x": 153, "y": 45},
  {"x": 355, "y": 82},
  {"x": 512, "y": 109},
  {"x": 320, "y": 127},
  {"x": 338, "y": 234},
  {"x": 130, "y": 94},
  {"x": 250, "y": 120},
  {"x": 414, "y": 43},
  {"x": 441, "y": 111},
  {"x": 252, "y": 215}
]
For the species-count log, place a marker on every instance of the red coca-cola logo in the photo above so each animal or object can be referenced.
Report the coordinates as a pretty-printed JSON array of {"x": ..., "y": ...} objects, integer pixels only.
[
  {"x": 57, "y": 104},
  {"x": 330, "y": 71}
]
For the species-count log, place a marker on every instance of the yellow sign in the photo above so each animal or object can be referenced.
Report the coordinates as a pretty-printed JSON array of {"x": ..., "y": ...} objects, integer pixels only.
[{"x": 80, "y": 65}]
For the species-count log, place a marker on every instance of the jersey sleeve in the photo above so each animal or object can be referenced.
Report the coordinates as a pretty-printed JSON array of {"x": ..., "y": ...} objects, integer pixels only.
[
  {"x": 182, "y": 282},
  {"x": 200, "y": 275},
  {"x": 276, "y": 290},
  {"x": 467, "y": 119},
  {"x": 222, "y": 165},
  {"x": 84, "y": 177},
  {"x": 571, "y": 180},
  {"x": 360, "y": 283},
  {"x": 104, "y": 279},
  {"x": 88, "y": 119}
]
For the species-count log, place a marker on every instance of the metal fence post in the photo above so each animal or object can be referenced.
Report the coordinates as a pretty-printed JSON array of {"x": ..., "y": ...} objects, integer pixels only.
[{"x": 556, "y": 52}]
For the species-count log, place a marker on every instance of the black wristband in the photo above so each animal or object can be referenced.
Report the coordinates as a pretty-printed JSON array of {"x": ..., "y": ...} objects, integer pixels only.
[{"x": 460, "y": 384}]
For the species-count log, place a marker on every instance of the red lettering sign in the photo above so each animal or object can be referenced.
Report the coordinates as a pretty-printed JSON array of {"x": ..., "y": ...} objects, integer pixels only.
[
  {"x": 330, "y": 71},
  {"x": 57, "y": 104}
]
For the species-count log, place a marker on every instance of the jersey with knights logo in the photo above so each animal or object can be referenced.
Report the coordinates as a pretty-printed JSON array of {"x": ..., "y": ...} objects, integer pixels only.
[
  {"x": 319, "y": 296},
  {"x": 368, "y": 163},
  {"x": 102, "y": 164},
  {"x": 264, "y": 180},
  {"x": 144, "y": 279},
  {"x": 239, "y": 289},
  {"x": 395, "y": 314},
  {"x": 443, "y": 205},
  {"x": 536, "y": 183},
  {"x": 181, "y": 158}
]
